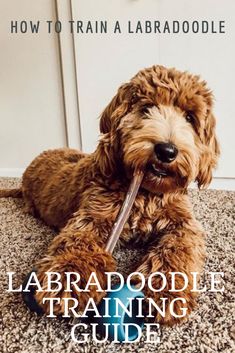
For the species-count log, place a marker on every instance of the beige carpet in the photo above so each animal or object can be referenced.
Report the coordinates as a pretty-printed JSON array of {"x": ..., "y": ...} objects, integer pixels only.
[{"x": 24, "y": 239}]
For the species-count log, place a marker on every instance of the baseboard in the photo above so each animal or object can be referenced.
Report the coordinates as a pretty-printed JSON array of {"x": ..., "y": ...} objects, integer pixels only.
[
  {"x": 223, "y": 184},
  {"x": 11, "y": 172},
  {"x": 217, "y": 183}
]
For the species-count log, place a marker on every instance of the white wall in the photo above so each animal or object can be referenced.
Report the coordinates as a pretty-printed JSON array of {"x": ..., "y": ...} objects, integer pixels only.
[{"x": 31, "y": 104}]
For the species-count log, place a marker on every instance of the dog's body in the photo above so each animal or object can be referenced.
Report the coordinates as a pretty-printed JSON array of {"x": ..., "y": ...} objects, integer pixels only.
[
  {"x": 45, "y": 186},
  {"x": 160, "y": 122}
]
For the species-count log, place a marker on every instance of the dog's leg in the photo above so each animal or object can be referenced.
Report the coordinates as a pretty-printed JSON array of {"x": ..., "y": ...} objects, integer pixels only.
[
  {"x": 79, "y": 248},
  {"x": 181, "y": 250}
]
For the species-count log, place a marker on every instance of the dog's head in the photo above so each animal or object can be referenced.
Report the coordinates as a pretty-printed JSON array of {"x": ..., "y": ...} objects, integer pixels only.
[{"x": 161, "y": 122}]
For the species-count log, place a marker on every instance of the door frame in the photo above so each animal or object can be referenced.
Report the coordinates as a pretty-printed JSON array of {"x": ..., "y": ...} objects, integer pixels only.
[{"x": 68, "y": 68}]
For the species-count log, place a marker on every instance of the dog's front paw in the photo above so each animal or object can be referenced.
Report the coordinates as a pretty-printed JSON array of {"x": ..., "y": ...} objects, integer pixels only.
[
  {"x": 171, "y": 307},
  {"x": 29, "y": 295},
  {"x": 64, "y": 287},
  {"x": 163, "y": 305}
]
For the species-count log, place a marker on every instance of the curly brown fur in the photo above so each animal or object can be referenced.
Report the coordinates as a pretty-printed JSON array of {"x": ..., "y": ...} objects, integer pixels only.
[{"x": 82, "y": 194}]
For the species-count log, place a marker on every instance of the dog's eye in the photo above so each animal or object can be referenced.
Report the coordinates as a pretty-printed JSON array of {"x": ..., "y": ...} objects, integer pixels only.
[
  {"x": 190, "y": 118},
  {"x": 145, "y": 109}
]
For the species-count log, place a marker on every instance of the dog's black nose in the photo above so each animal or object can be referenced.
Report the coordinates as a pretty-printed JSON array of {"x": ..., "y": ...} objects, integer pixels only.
[{"x": 166, "y": 152}]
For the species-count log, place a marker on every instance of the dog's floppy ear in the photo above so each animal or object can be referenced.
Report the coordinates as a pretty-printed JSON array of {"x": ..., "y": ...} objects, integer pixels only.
[
  {"x": 210, "y": 153},
  {"x": 117, "y": 108},
  {"x": 107, "y": 151}
]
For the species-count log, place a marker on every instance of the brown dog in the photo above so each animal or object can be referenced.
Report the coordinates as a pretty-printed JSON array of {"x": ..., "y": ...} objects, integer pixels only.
[{"x": 161, "y": 122}]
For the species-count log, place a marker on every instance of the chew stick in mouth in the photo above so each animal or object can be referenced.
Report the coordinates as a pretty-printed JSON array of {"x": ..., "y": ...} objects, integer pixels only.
[{"x": 125, "y": 211}]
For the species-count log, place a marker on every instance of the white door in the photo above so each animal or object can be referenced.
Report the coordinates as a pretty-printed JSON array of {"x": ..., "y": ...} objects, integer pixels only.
[{"x": 104, "y": 61}]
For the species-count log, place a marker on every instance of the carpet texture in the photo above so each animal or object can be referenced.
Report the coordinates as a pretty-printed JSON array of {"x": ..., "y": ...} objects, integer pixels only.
[{"x": 24, "y": 239}]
